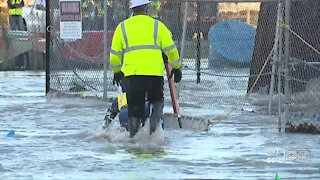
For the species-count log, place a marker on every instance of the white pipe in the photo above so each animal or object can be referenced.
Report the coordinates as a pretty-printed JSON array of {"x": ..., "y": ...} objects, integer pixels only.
[
  {"x": 286, "y": 63},
  {"x": 105, "y": 49},
  {"x": 183, "y": 40},
  {"x": 184, "y": 30},
  {"x": 274, "y": 57},
  {"x": 280, "y": 67}
]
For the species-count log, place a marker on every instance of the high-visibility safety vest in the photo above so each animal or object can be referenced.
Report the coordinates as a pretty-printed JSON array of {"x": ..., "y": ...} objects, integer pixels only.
[
  {"x": 16, "y": 11},
  {"x": 137, "y": 46},
  {"x": 122, "y": 100}
]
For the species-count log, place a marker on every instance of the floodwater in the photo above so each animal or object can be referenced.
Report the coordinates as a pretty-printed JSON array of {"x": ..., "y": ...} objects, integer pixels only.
[{"x": 59, "y": 137}]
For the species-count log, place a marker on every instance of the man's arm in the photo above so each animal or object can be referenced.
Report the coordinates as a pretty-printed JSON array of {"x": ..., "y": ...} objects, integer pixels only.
[
  {"x": 116, "y": 52},
  {"x": 168, "y": 47},
  {"x": 111, "y": 112}
]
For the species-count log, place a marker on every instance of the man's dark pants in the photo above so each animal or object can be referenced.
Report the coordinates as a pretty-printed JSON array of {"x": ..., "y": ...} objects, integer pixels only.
[
  {"x": 16, "y": 23},
  {"x": 138, "y": 88}
]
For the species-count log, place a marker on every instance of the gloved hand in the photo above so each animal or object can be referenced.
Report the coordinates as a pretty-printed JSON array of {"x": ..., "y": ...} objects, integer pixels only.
[
  {"x": 177, "y": 75},
  {"x": 117, "y": 78}
]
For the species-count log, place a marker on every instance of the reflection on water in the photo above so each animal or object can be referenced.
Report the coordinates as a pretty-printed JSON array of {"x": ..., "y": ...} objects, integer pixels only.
[
  {"x": 61, "y": 138},
  {"x": 146, "y": 153}
]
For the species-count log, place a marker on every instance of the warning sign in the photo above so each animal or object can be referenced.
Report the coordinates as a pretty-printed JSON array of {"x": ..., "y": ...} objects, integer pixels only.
[{"x": 70, "y": 19}]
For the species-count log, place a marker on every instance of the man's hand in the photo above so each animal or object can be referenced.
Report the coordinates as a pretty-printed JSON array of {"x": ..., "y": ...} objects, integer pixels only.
[
  {"x": 117, "y": 78},
  {"x": 177, "y": 75}
]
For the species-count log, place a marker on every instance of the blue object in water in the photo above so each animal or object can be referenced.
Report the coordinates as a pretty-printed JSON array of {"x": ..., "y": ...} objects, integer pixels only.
[
  {"x": 123, "y": 114},
  {"x": 231, "y": 42},
  {"x": 10, "y": 133}
]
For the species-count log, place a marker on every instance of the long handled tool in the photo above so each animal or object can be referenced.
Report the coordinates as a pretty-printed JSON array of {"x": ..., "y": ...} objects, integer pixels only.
[
  {"x": 173, "y": 94},
  {"x": 192, "y": 123}
]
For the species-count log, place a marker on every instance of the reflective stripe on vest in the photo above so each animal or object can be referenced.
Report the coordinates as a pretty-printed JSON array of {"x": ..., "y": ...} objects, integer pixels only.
[
  {"x": 139, "y": 47},
  {"x": 169, "y": 48},
  {"x": 13, "y": 2},
  {"x": 115, "y": 66},
  {"x": 175, "y": 62},
  {"x": 115, "y": 52}
]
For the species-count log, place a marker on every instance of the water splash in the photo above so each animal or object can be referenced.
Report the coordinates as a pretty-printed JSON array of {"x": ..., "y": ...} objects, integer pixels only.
[{"x": 116, "y": 134}]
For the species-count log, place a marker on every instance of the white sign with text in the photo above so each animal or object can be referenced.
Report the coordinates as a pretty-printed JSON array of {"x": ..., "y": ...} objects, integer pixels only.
[{"x": 70, "y": 19}]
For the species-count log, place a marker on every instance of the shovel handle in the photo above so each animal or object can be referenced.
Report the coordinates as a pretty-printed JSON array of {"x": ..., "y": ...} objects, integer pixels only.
[{"x": 173, "y": 94}]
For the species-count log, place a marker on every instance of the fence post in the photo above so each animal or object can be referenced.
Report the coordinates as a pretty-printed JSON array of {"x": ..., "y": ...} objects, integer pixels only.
[
  {"x": 286, "y": 65},
  {"x": 184, "y": 31},
  {"x": 198, "y": 43},
  {"x": 275, "y": 54},
  {"x": 280, "y": 69},
  {"x": 48, "y": 40},
  {"x": 105, "y": 49},
  {"x": 183, "y": 39}
]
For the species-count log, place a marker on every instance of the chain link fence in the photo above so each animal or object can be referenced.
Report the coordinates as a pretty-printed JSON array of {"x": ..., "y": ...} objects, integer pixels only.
[
  {"x": 226, "y": 49},
  {"x": 300, "y": 108},
  {"x": 23, "y": 48},
  {"x": 234, "y": 53},
  {"x": 304, "y": 67},
  {"x": 216, "y": 49},
  {"x": 76, "y": 66}
]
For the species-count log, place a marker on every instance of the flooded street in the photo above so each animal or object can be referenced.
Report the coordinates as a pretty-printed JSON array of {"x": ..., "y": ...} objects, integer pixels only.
[{"x": 60, "y": 137}]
